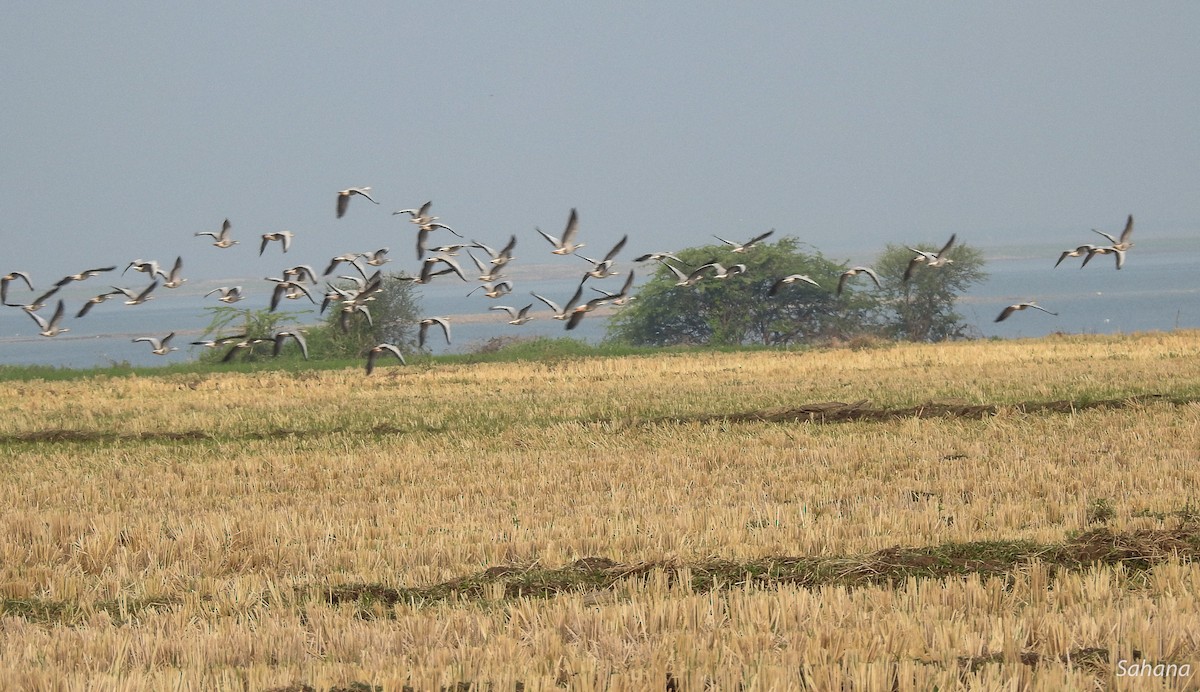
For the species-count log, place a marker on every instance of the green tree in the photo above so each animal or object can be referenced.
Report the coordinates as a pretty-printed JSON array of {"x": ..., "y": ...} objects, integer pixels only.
[
  {"x": 251, "y": 324},
  {"x": 739, "y": 310},
  {"x": 922, "y": 308},
  {"x": 395, "y": 310}
]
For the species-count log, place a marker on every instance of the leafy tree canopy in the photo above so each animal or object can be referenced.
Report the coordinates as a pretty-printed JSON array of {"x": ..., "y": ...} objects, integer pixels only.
[
  {"x": 922, "y": 308},
  {"x": 738, "y": 310}
]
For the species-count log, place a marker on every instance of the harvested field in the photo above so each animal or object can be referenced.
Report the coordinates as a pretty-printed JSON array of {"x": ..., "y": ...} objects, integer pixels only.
[{"x": 988, "y": 514}]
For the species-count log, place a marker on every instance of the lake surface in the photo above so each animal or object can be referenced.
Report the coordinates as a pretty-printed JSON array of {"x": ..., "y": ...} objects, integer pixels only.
[{"x": 1158, "y": 289}]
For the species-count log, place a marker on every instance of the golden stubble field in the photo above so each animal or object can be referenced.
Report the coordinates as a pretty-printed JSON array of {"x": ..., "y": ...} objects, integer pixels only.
[{"x": 428, "y": 526}]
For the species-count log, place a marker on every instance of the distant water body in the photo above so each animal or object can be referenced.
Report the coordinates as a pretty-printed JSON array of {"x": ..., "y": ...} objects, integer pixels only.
[{"x": 1158, "y": 289}]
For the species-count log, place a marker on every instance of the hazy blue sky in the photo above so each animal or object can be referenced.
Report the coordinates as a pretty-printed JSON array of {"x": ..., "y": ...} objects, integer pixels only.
[{"x": 127, "y": 126}]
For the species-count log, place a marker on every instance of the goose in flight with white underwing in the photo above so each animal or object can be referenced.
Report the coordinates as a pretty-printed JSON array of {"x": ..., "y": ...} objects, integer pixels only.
[
  {"x": 428, "y": 322},
  {"x": 565, "y": 245},
  {"x": 221, "y": 239},
  {"x": 603, "y": 268},
  {"x": 621, "y": 298},
  {"x": 343, "y": 198},
  {"x": 518, "y": 317},
  {"x": 855, "y": 271},
  {"x": 283, "y": 237},
  {"x": 173, "y": 278},
  {"x": 294, "y": 334},
  {"x": 50, "y": 328},
  {"x": 1021, "y": 306},
  {"x": 159, "y": 347},
  {"x": 137, "y": 298},
  {"x": 38, "y": 303},
  {"x": 1077, "y": 252},
  {"x": 791, "y": 279},
  {"x": 930, "y": 259},
  {"x": 743, "y": 247},
  {"x": 10, "y": 277},
  {"x": 94, "y": 301},
  {"x": 374, "y": 353},
  {"x": 564, "y": 312},
  {"x": 229, "y": 294},
  {"x": 1123, "y": 243},
  {"x": 690, "y": 279},
  {"x": 581, "y": 310},
  {"x": 83, "y": 275}
]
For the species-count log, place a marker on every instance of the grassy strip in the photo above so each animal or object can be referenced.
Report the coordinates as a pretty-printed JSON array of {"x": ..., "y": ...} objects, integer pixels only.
[
  {"x": 1135, "y": 550},
  {"x": 826, "y": 412},
  {"x": 836, "y": 411},
  {"x": 67, "y": 612}
]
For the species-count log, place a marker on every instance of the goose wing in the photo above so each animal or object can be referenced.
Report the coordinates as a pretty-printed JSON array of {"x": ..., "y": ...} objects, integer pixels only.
[
  {"x": 759, "y": 238},
  {"x": 572, "y": 228},
  {"x": 1125, "y": 234},
  {"x": 948, "y": 245},
  {"x": 616, "y": 248}
]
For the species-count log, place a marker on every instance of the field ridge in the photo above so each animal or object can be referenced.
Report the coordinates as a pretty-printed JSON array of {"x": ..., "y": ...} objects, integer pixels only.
[{"x": 1136, "y": 550}]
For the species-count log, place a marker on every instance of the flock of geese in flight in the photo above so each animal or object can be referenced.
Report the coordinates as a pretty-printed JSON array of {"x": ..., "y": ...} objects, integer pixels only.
[{"x": 353, "y": 296}]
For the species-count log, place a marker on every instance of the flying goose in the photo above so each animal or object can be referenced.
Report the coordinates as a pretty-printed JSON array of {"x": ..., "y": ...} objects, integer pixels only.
[
  {"x": 350, "y": 258},
  {"x": 137, "y": 298},
  {"x": 519, "y": 317},
  {"x": 621, "y": 298},
  {"x": 742, "y": 247},
  {"x": 686, "y": 279},
  {"x": 1021, "y": 306},
  {"x": 425, "y": 224},
  {"x": 292, "y": 290},
  {"x": 86, "y": 273},
  {"x": 790, "y": 279},
  {"x": 373, "y": 354},
  {"x": 219, "y": 341},
  {"x": 929, "y": 259},
  {"x": 350, "y": 307},
  {"x": 567, "y": 244},
  {"x": 299, "y": 272},
  {"x": 503, "y": 255},
  {"x": 94, "y": 301},
  {"x": 581, "y": 310},
  {"x": 855, "y": 271},
  {"x": 296, "y": 335},
  {"x": 721, "y": 272},
  {"x": 160, "y": 347},
  {"x": 1081, "y": 250},
  {"x": 229, "y": 294},
  {"x": 496, "y": 290},
  {"x": 343, "y": 198},
  {"x": 427, "y": 323},
  {"x": 146, "y": 267},
  {"x": 490, "y": 272},
  {"x": 377, "y": 258},
  {"x": 603, "y": 268},
  {"x": 657, "y": 256},
  {"x": 1123, "y": 243},
  {"x": 420, "y": 216},
  {"x": 221, "y": 239},
  {"x": 38, "y": 303},
  {"x": 241, "y": 346},
  {"x": 50, "y": 328},
  {"x": 427, "y": 272},
  {"x": 565, "y": 311},
  {"x": 12, "y": 276},
  {"x": 173, "y": 279},
  {"x": 284, "y": 237},
  {"x": 1103, "y": 250}
]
